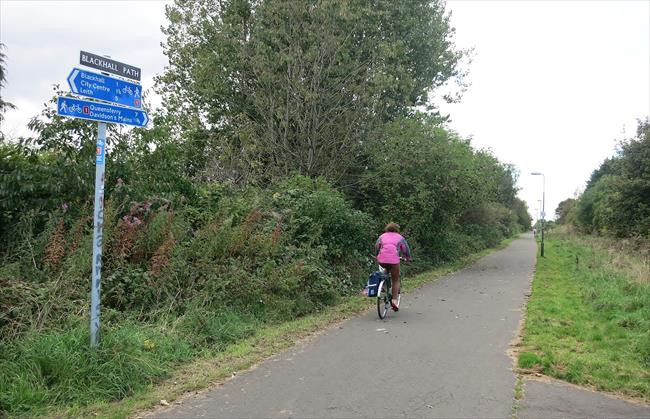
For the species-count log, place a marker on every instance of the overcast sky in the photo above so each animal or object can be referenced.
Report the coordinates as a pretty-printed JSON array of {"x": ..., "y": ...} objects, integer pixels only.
[{"x": 554, "y": 84}]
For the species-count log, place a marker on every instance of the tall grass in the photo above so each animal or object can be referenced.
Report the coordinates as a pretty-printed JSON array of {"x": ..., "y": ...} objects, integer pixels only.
[
  {"x": 630, "y": 255},
  {"x": 48, "y": 369},
  {"x": 588, "y": 322}
]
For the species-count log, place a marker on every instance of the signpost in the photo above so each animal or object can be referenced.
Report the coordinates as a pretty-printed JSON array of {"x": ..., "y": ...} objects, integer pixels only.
[
  {"x": 99, "y": 86},
  {"x": 113, "y": 90}
]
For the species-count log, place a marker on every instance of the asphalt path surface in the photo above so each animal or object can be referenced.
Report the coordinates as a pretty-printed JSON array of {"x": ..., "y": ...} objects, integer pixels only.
[{"x": 444, "y": 354}]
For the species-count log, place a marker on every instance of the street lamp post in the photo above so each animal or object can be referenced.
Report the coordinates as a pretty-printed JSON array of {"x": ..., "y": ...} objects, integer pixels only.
[{"x": 543, "y": 213}]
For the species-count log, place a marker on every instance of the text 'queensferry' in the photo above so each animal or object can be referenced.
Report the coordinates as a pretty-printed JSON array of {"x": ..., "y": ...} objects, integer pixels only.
[{"x": 107, "y": 113}]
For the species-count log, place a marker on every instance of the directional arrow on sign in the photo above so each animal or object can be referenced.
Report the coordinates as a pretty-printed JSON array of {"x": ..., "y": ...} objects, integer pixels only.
[
  {"x": 102, "y": 87},
  {"x": 72, "y": 80}
]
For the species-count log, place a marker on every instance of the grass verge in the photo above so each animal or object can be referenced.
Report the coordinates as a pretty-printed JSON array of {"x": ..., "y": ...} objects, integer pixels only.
[
  {"x": 56, "y": 375},
  {"x": 587, "y": 322}
]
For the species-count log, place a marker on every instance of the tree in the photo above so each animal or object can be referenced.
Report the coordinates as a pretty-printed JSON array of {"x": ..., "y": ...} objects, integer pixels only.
[
  {"x": 277, "y": 87},
  {"x": 617, "y": 198},
  {"x": 564, "y": 210},
  {"x": 520, "y": 209},
  {"x": 449, "y": 198},
  {"x": 630, "y": 205},
  {"x": 4, "y": 105}
]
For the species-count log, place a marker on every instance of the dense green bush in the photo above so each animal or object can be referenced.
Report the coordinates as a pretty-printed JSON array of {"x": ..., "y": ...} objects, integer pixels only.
[
  {"x": 617, "y": 198},
  {"x": 299, "y": 240},
  {"x": 297, "y": 243},
  {"x": 237, "y": 259},
  {"x": 449, "y": 198}
]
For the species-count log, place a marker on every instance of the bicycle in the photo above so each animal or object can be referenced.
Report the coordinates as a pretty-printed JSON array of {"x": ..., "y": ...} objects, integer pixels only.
[{"x": 385, "y": 293}]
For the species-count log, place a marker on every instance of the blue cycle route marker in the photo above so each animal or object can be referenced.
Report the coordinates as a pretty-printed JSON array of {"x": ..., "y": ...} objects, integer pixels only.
[
  {"x": 102, "y": 112},
  {"x": 110, "y": 89}
]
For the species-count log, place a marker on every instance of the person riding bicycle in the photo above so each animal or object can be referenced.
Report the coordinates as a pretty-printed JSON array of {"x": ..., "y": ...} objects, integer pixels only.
[{"x": 389, "y": 248}]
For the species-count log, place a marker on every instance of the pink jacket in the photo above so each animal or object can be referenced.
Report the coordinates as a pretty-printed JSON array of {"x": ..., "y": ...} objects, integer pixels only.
[{"x": 390, "y": 246}]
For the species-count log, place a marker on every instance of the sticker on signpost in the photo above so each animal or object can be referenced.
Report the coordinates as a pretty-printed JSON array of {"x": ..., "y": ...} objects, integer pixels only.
[{"x": 100, "y": 154}]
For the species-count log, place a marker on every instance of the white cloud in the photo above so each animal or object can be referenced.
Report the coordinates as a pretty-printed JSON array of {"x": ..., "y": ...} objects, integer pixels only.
[{"x": 553, "y": 85}]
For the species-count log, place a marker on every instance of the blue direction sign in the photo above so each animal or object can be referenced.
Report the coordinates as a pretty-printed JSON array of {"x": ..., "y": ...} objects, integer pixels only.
[
  {"x": 99, "y": 86},
  {"x": 102, "y": 112}
]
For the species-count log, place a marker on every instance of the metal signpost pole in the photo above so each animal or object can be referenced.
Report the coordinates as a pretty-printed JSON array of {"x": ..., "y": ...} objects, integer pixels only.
[
  {"x": 543, "y": 200},
  {"x": 98, "y": 233},
  {"x": 543, "y": 212}
]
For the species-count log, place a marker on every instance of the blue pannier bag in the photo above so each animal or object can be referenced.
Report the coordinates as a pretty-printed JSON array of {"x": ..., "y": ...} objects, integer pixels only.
[{"x": 372, "y": 288}]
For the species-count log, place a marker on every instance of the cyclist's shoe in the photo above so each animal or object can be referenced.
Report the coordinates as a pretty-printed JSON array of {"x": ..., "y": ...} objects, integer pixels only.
[{"x": 394, "y": 305}]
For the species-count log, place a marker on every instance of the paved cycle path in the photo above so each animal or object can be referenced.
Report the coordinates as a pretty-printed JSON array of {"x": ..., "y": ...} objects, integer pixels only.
[{"x": 442, "y": 355}]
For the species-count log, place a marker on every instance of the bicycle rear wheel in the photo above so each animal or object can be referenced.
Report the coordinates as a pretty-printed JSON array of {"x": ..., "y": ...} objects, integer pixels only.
[{"x": 383, "y": 300}]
